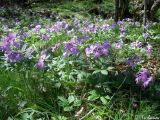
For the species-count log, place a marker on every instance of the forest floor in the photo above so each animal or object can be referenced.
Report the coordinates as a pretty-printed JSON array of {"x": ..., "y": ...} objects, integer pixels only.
[{"x": 70, "y": 61}]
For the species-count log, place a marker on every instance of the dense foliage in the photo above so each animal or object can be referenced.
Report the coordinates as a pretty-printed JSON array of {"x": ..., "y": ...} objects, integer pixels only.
[{"x": 78, "y": 68}]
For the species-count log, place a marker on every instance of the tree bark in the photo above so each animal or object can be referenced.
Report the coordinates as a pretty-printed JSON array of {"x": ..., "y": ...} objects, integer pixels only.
[
  {"x": 121, "y": 9},
  {"x": 154, "y": 8},
  {"x": 116, "y": 10},
  {"x": 145, "y": 13},
  {"x": 98, "y": 1},
  {"x": 145, "y": 16}
]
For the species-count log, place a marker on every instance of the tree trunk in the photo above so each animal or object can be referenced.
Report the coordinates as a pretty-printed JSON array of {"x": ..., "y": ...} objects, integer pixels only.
[
  {"x": 145, "y": 13},
  {"x": 98, "y": 1},
  {"x": 154, "y": 8},
  {"x": 116, "y": 10},
  {"x": 145, "y": 16},
  {"x": 122, "y": 9}
]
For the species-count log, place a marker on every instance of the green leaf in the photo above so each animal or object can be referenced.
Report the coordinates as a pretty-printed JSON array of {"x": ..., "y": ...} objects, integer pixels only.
[
  {"x": 63, "y": 101},
  {"x": 104, "y": 72},
  {"x": 57, "y": 85},
  {"x": 94, "y": 96},
  {"x": 77, "y": 102},
  {"x": 110, "y": 68},
  {"x": 43, "y": 30},
  {"x": 62, "y": 118},
  {"x": 68, "y": 108},
  {"x": 107, "y": 97},
  {"x": 71, "y": 99},
  {"x": 26, "y": 116},
  {"x": 104, "y": 101},
  {"x": 96, "y": 71},
  {"x": 61, "y": 98}
]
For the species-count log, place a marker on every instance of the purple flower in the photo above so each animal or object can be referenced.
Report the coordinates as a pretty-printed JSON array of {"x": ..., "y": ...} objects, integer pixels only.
[
  {"x": 122, "y": 35},
  {"x": 40, "y": 64},
  {"x": 120, "y": 22},
  {"x": 149, "y": 49},
  {"x": 8, "y": 44},
  {"x": 136, "y": 44},
  {"x": 5, "y": 46},
  {"x": 58, "y": 26},
  {"x": 107, "y": 44},
  {"x": 37, "y": 28},
  {"x": 105, "y": 27},
  {"x": 146, "y": 35},
  {"x": 88, "y": 51},
  {"x": 70, "y": 31},
  {"x": 76, "y": 21},
  {"x": 119, "y": 44},
  {"x": 45, "y": 36},
  {"x": 91, "y": 28},
  {"x": 55, "y": 47},
  {"x": 61, "y": 24},
  {"x": 29, "y": 52},
  {"x": 82, "y": 39},
  {"x": 98, "y": 50},
  {"x": 128, "y": 19},
  {"x": 25, "y": 34},
  {"x": 122, "y": 28},
  {"x": 8, "y": 40},
  {"x": 13, "y": 56},
  {"x": 113, "y": 25},
  {"x": 74, "y": 50},
  {"x": 144, "y": 77},
  {"x": 122, "y": 31},
  {"x": 132, "y": 61},
  {"x": 71, "y": 47},
  {"x": 44, "y": 54},
  {"x": 17, "y": 44}
]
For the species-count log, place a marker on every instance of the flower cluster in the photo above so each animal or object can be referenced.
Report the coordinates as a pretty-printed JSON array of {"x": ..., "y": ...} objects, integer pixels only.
[
  {"x": 13, "y": 56},
  {"x": 136, "y": 44},
  {"x": 119, "y": 44},
  {"x": 55, "y": 47},
  {"x": 45, "y": 36},
  {"x": 122, "y": 31},
  {"x": 98, "y": 50},
  {"x": 82, "y": 39},
  {"x": 144, "y": 77},
  {"x": 8, "y": 41},
  {"x": 8, "y": 48},
  {"x": 83, "y": 33},
  {"x": 91, "y": 28},
  {"x": 71, "y": 47},
  {"x": 149, "y": 49},
  {"x": 146, "y": 35},
  {"x": 37, "y": 28},
  {"x": 105, "y": 27},
  {"x": 40, "y": 64},
  {"x": 58, "y": 26},
  {"x": 132, "y": 61}
]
